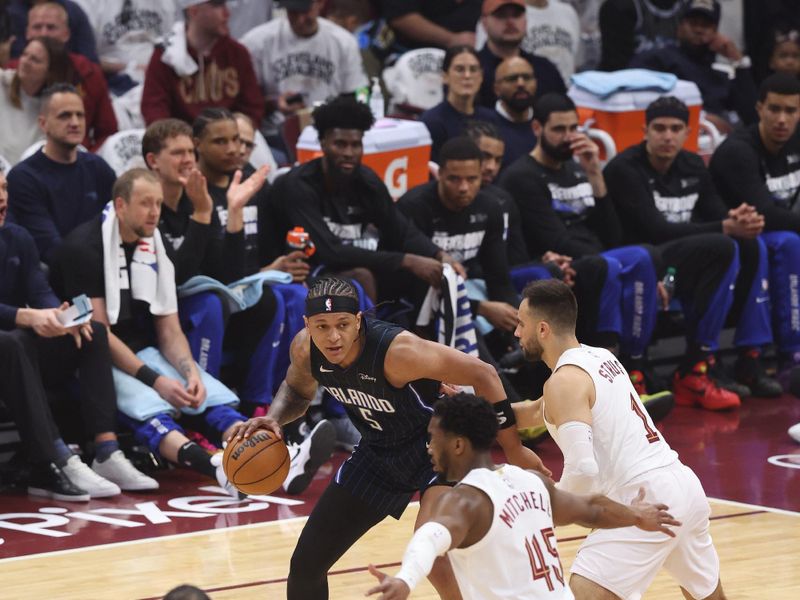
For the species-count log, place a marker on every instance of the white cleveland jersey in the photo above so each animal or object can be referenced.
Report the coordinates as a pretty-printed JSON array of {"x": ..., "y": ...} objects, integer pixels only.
[
  {"x": 626, "y": 443},
  {"x": 517, "y": 558}
]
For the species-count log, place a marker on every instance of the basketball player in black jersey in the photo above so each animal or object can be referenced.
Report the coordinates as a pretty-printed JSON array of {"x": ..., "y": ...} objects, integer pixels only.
[{"x": 387, "y": 379}]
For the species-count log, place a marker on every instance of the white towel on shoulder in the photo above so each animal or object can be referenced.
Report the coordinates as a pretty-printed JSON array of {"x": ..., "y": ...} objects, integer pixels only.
[
  {"x": 176, "y": 53},
  {"x": 152, "y": 275}
]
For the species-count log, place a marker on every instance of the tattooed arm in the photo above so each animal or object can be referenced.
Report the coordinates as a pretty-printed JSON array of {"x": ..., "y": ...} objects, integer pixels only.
[{"x": 172, "y": 343}]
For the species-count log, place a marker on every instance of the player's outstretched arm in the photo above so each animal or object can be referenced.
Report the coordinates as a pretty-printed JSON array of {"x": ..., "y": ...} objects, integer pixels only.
[
  {"x": 410, "y": 358},
  {"x": 461, "y": 516},
  {"x": 600, "y": 512},
  {"x": 295, "y": 394}
]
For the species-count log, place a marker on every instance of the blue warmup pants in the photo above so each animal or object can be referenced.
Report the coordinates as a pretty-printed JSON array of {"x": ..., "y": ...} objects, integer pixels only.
[
  {"x": 154, "y": 429},
  {"x": 751, "y": 307},
  {"x": 203, "y": 319},
  {"x": 207, "y": 328},
  {"x": 597, "y": 313},
  {"x": 784, "y": 286},
  {"x": 291, "y": 299},
  {"x": 639, "y": 280}
]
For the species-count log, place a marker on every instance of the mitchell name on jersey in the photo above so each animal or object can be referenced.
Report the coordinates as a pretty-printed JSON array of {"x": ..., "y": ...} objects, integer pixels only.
[{"x": 520, "y": 502}]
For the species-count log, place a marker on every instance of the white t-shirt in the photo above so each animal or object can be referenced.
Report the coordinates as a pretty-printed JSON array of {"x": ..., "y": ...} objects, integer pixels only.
[
  {"x": 127, "y": 30},
  {"x": 553, "y": 32},
  {"x": 326, "y": 64},
  {"x": 498, "y": 567},
  {"x": 19, "y": 126},
  {"x": 626, "y": 443}
]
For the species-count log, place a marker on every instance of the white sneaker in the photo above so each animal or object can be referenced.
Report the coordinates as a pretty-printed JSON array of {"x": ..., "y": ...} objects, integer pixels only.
[
  {"x": 118, "y": 469},
  {"x": 309, "y": 456},
  {"x": 82, "y": 476},
  {"x": 794, "y": 432},
  {"x": 222, "y": 479}
]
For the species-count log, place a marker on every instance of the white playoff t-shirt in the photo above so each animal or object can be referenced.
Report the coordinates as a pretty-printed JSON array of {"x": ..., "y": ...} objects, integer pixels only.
[
  {"x": 517, "y": 558},
  {"x": 323, "y": 65},
  {"x": 626, "y": 442}
]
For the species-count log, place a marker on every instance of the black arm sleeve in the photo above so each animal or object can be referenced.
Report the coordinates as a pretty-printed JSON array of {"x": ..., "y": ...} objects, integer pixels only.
[
  {"x": 636, "y": 208},
  {"x": 739, "y": 177}
]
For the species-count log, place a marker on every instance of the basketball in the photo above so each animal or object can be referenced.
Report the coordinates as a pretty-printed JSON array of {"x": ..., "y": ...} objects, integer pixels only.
[{"x": 258, "y": 464}]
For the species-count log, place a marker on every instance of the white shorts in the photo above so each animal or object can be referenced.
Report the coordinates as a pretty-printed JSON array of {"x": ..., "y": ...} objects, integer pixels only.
[{"x": 625, "y": 561}]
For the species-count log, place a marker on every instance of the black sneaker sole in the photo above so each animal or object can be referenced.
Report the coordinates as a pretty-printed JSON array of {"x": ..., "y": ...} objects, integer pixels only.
[
  {"x": 322, "y": 443},
  {"x": 43, "y": 493},
  {"x": 659, "y": 405}
]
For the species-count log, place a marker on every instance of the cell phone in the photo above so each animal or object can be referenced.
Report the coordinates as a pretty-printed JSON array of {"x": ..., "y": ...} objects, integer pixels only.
[
  {"x": 78, "y": 313},
  {"x": 294, "y": 99}
]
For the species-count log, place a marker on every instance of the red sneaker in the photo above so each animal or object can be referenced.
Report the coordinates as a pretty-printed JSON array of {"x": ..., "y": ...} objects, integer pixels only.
[
  {"x": 201, "y": 440},
  {"x": 637, "y": 379},
  {"x": 697, "y": 387}
]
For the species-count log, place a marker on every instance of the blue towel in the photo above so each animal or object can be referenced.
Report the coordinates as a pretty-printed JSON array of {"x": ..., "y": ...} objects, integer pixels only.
[
  {"x": 241, "y": 294},
  {"x": 603, "y": 84}
]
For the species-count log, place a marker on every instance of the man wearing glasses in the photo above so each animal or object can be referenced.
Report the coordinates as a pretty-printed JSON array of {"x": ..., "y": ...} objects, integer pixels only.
[
  {"x": 505, "y": 23},
  {"x": 515, "y": 86}
]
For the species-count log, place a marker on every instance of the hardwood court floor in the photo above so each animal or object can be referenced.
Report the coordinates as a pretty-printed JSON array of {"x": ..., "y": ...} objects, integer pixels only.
[
  {"x": 138, "y": 546},
  {"x": 759, "y": 550}
]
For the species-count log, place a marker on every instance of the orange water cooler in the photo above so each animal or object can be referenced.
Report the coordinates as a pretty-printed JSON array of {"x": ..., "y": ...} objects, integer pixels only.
[
  {"x": 621, "y": 115},
  {"x": 397, "y": 150}
]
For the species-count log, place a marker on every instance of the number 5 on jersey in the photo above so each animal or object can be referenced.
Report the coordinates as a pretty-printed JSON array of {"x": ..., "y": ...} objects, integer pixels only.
[{"x": 366, "y": 414}]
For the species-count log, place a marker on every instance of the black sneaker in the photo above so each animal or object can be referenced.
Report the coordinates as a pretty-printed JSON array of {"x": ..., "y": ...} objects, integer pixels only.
[
  {"x": 750, "y": 371},
  {"x": 716, "y": 371},
  {"x": 50, "y": 481}
]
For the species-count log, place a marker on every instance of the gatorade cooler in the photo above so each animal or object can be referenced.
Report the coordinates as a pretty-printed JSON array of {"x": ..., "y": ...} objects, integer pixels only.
[
  {"x": 397, "y": 150},
  {"x": 621, "y": 115}
]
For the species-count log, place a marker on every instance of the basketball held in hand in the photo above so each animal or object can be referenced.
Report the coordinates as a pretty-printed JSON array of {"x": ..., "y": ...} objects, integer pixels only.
[{"x": 257, "y": 465}]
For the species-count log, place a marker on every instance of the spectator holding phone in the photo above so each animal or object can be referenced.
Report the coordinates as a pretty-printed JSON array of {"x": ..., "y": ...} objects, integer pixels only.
[
  {"x": 301, "y": 59},
  {"x": 37, "y": 346}
]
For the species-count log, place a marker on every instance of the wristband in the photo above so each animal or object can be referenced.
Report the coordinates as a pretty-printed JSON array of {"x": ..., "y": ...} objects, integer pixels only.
[
  {"x": 505, "y": 414},
  {"x": 147, "y": 375}
]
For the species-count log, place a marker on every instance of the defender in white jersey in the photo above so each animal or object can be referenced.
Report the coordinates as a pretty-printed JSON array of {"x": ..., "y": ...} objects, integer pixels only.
[
  {"x": 496, "y": 524},
  {"x": 611, "y": 447}
]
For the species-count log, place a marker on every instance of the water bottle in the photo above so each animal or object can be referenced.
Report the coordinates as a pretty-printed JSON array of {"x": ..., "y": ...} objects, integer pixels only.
[
  {"x": 669, "y": 283},
  {"x": 299, "y": 239},
  {"x": 376, "y": 99}
]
